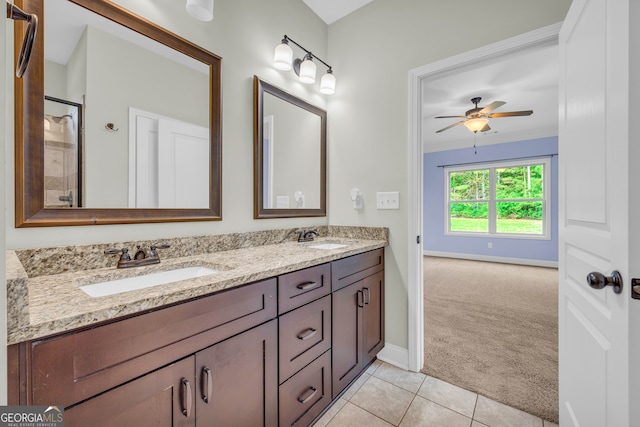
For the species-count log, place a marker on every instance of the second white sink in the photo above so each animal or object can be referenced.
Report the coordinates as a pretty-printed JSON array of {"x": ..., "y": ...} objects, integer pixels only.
[
  {"x": 328, "y": 246},
  {"x": 113, "y": 287}
]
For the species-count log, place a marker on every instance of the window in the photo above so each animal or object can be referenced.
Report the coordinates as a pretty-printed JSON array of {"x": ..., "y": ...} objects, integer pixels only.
[{"x": 508, "y": 199}]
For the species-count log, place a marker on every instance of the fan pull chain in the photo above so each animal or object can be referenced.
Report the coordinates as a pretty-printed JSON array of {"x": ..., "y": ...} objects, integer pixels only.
[{"x": 475, "y": 151}]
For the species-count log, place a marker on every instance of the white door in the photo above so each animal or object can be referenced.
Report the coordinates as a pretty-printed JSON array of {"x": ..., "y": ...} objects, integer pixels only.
[
  {"x": 183, "y": 165},
  {"x": 594, "y": 150}
]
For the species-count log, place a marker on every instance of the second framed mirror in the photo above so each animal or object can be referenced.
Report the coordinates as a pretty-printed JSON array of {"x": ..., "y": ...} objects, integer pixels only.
[{"x": 290, "y": 151}]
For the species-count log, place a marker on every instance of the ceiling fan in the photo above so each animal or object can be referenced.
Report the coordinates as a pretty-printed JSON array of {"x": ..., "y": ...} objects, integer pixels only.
[{"x": 477, "y": 118}]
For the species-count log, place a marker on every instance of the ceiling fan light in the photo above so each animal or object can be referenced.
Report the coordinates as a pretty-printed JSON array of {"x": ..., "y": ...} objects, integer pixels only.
[{"x": 474, "y": 125}]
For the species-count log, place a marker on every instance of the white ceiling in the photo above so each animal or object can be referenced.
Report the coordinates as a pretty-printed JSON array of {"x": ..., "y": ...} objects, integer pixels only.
[
  {"x": 527, "y": 80},
  {"x": 332, "y": 10}
]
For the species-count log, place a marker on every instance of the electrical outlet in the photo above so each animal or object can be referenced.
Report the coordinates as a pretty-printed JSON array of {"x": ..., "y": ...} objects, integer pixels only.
[
  {"x": 282, "y": 202},
  {"x": 388, "y": 200},
  {"x": 490, "y": 245}
]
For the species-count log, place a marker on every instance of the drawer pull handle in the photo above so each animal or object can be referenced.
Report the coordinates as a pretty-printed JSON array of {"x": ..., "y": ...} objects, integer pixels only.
[
  {"x": 207, "y": 382},
  {"x": 367, "y": 296},
  {"x": 187, "y": 398},
  {"x": 307, "y": 334},
  {"x": 304, "y": 398},
  {"x": 308, "y": 286},
  {"x": 360, "y": 299}
]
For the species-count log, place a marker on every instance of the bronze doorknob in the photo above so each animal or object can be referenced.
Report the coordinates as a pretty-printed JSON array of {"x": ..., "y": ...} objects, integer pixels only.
[{"x": 598, "y": 280}]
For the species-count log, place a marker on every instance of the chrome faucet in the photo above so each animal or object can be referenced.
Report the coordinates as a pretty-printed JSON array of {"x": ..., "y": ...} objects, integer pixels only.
[
  {"x": 143, "y": 256},
  {"x": 306, "y": 236}
]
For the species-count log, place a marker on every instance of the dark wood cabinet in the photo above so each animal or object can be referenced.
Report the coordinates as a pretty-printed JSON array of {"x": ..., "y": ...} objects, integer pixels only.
[
  {"x": 237, "y": 379},
  {"x": 357, "y": 316},
  {"x": 160, "y": 398},
  {"x": 305, "y": 334},
  {"x": 275, "y": 352},
  {"x": 229, "y": 383},
  {"x": 305, "y": 395},
  {"x": 373, "y": 336}
]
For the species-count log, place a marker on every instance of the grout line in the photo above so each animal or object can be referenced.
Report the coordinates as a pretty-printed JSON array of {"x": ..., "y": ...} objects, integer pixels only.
[
  {"x": 475, "y": 406},
  {"x": 407, "y": 410}
]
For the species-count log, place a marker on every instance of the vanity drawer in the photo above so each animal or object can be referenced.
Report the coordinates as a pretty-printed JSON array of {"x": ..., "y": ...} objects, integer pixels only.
[
  {"x": 303, "y": 286},
  {"x": 305, "y": 333},
  {"x": 74, "y": 366},
  {"x": 349, "y": 270},
  {"x": 305, "y": 395}
]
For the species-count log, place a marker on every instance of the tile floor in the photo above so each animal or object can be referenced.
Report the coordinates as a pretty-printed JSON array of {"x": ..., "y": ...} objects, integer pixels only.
[{"x": 388, "y": 396}]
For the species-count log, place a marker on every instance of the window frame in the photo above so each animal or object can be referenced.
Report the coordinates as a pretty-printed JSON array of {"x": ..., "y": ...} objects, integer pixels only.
[{"x": 491, "y": 200}]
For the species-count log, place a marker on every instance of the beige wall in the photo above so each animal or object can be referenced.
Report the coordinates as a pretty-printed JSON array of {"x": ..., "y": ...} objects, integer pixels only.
[{"x": 372, "y": 51}]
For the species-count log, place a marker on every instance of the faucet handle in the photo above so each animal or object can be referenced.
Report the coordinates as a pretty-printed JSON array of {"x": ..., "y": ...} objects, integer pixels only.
[
  {"x": 124, "y": 251},
  {"x": 153, "y": 248},
  {"x": 162, "y": 246}
]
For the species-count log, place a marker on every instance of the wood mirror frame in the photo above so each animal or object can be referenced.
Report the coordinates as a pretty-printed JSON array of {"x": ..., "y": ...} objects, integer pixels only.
[
  {"x": 260, "y": 87},
  {"x": 29, "y": 131}
]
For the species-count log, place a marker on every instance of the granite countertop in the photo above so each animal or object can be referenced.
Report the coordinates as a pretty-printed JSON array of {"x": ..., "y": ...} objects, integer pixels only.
[{"x": 48, "y": 304}]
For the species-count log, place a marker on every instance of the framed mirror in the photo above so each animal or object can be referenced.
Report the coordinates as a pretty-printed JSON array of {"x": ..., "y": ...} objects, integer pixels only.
[
  {"x": 290, "y": 152},
  {"x": 117, "y": 120}
]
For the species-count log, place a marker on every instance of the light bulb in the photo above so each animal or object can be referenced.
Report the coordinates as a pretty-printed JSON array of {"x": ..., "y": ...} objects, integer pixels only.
[
  {"x": 283, "y": 56},
  {"x": 474, "y": 125},
  {"x": 200, "y": 9},
  {"x": 308, "y": 71},
  {"x": 328, "y": 83}
]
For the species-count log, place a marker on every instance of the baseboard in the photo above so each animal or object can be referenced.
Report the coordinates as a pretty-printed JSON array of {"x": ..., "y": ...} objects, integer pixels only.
[
  {"x": 394, "y": 355},
  {"x": 505, "y": 260}
]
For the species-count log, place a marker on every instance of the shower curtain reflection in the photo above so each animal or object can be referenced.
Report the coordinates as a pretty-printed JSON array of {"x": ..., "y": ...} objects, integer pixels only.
[{"x": 62, "y": 153}]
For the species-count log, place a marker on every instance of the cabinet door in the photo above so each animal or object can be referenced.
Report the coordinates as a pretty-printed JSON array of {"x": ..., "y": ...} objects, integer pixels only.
[
  {"x": 347, "y": 336},
  {"x": 373, "y": 288},
  {"x": 238, "y": 380},
  {"x": 165, "y": 397}
]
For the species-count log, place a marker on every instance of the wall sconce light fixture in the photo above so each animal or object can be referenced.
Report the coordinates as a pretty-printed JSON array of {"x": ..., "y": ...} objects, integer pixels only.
[
  {"x": 200, "y": 9},
  {"x": 305, "y": 68}
]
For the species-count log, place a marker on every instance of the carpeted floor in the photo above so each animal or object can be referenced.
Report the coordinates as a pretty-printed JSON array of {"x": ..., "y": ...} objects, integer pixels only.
[{"x": 493, "y": 329}]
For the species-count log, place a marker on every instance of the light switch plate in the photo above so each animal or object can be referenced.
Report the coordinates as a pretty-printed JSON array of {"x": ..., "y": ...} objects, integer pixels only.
[{"x": 388, "y": 200}]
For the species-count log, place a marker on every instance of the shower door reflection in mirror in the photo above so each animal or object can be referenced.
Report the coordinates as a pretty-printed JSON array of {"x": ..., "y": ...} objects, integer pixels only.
[{"x": 62, "y": 153}]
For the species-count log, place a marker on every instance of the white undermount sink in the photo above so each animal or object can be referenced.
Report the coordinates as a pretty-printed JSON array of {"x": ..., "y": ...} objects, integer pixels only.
[
  {"x": 113, "y": 287},
  {"x": 327, "y": 246}
]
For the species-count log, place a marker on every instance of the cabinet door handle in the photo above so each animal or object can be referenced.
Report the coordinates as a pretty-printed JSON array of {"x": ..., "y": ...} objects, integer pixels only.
[
  {"x": 360, "y": 299},
  {"x": 187, "y": 398},
  {"x": 367, "y": 296},
  {"x": 307, "y": 334},
  {"x": 308, "y": 286},
  {"x": 207, "y": 384},
  {"x": 304, "y": 397}
]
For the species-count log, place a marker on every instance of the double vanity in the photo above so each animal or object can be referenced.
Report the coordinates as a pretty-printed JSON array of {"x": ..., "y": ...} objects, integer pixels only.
[{"x": 271, "y": 335}]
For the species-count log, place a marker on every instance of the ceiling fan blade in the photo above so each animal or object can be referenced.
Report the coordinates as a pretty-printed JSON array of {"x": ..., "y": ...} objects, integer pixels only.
[
  {"x": 450, "y": 117},
  {"x": 485, "y": 128},
  {"x": 450, "y": 126},
  {"x": 510, "y": 114},
  {"x": 489, "y": 108}
]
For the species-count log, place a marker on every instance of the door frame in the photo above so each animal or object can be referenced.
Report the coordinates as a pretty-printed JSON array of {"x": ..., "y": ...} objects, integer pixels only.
[{"x": 415, "y": 167}]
